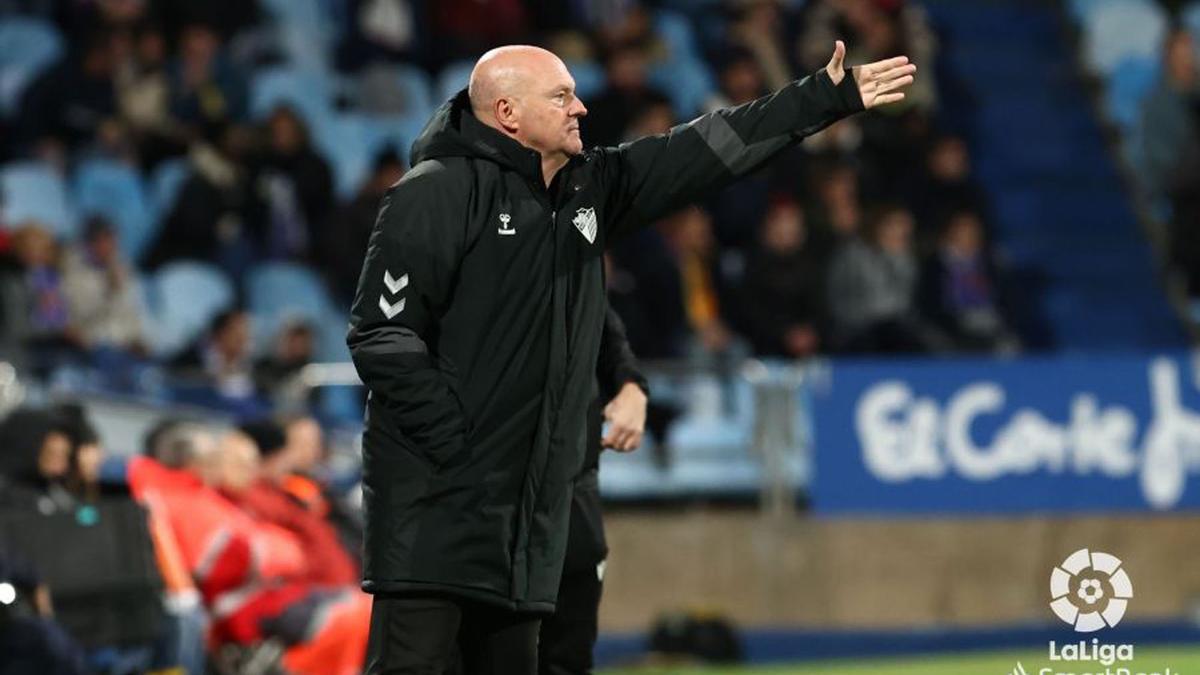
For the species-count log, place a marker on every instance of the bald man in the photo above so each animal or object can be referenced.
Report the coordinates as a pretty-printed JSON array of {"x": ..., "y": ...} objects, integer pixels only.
[{"x": 476, "y": 326}]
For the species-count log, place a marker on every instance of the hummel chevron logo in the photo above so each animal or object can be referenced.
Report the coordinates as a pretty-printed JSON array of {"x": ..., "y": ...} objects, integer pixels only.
[
  {"x": 393, "y": 285},
  {"x": 390, "y": 311}
]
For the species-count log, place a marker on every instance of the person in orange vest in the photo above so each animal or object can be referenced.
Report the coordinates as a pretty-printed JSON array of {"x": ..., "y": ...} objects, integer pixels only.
[{"x": 252, "y": 574}]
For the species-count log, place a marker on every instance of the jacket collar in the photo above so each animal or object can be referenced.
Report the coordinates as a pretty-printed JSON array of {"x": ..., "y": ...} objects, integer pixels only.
[{"x": 502, "y": 149}]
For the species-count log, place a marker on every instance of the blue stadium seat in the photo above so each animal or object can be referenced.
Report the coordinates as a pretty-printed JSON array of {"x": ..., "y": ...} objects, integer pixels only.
[
  {"x": 589, "y": 78},
  {"x": 278, "y": 292},
  {"x": 309, "y": 93},
  {"x": 1130, "y": 82},
  {"x": 417, "y": 88},
  {"x": 1119, "y": 29},
  {"x": 165, "y": 182},
  {"x": 35, "y": 191},
  {"x": 452, "y": 78},
  {"x": 688, "y": 83},
  {"x": 350, "y": 141},
  {"x": 184, "y": 298},
  {"x": 676, "y": 31},
  {"x": 27, "y": 47},
  {"x": 115, "y": 190}
]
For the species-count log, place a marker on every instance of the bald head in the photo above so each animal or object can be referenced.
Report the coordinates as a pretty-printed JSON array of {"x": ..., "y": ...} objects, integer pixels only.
[
  {"x": 527, "y": 94},
  {"x": 508, "y": 72}
]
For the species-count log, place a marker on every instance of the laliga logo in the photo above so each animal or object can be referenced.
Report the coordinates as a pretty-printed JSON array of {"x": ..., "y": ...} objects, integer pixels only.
[{"x": 1090, "y": 590}]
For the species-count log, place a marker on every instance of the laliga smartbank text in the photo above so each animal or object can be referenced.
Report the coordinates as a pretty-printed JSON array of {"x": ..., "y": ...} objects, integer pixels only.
[{"x": 1115, "y": 659}]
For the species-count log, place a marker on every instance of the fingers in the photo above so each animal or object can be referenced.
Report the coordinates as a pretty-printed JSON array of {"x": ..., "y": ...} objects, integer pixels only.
[
  {"x": 622, "y": 439},
  {"x": 884, "y": 65},
  {"x": 894, "y": 84},
  {"x": 895, "y": 73},
  {"x": 888, "y": 98},
  {"x": 839, "y": 54}
]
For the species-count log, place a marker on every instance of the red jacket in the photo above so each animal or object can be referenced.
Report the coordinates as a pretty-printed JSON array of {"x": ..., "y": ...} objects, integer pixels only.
[{"x": 327, "y": 562}]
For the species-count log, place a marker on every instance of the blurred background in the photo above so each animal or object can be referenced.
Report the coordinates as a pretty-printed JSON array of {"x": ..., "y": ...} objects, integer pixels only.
[{"x": 897, "y": 376}]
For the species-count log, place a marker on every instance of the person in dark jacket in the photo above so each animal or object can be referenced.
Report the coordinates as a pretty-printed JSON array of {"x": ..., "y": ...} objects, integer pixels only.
[
  {"x": 568, "y": 636},
  {"x": 476, "y": 327}
]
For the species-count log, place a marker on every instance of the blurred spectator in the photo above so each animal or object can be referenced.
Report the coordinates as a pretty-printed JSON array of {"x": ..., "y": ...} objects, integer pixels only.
[
  {"x": 294, "y": 348},
  {"x": 626, "y": 22},
  {"x": 29, "y": 639},
  {"x": 836, "y": 214},
  {"x": 37, "y": 322},
  {"x": 101, "y": 291},
  {"x": 872, "y": 284},
  {"x": 74, "y": 98},
  {"x": 137, "y": 641},
  {"x": 690, "y": 239},
  {"x": 259, "y": 489},
  {"x": 783, "y": 288},
  {"x": 204, "y": 88},
  {"x": 221, "y": 358},
  {"x": 944, "y": 187},
  {"x": 298, "y": 186},
  {"x": 758, "y": 26},
  {"x": 741, "y": 78},
  {"x": 225, "y": 18},
  {"x": 144, "y": 97},
  {"x": 36, "y": 456},
  {"x": 216, "y": 217},
  {"x": 381, "y": 30},
  {"x": 1170, "y": 138},
  {"x": 83, "y": 474},
  {"x": 654, "y": 116},
  {"x": 300, "y": 470},
  {"x": 344, "y": 240},
  {"x": 611, "y": 113},
  {"x": 958, "y": 290},
  {"x": 467, "y": 28}
]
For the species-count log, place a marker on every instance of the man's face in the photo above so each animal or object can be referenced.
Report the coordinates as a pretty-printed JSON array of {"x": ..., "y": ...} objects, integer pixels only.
[
  {"x": 238, "y": 463},
  {"x": 548, "y": 112}
]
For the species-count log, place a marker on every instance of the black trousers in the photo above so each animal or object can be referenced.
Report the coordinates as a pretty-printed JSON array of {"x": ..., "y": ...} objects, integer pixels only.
[
  {"x": 568, "y": 636},
  {"x": 441, "y": 635}
]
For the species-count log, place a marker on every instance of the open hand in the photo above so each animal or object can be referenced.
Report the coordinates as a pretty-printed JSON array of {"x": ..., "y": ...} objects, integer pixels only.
[
  {"x": 878, "y": 83},
  {"x": 626, "y": 415}
]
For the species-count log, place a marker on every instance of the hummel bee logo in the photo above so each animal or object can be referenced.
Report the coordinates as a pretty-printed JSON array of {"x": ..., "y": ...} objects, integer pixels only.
[
  {"x": 394, "y": 286},
  {"x": 504, "y": 227}
]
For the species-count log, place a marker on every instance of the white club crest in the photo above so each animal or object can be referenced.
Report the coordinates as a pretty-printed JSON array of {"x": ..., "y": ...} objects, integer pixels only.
[{"x": 585, "y": 222}]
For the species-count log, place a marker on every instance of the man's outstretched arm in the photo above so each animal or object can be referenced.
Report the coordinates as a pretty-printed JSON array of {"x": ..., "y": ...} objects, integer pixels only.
[{"x": 653, "y": 176}]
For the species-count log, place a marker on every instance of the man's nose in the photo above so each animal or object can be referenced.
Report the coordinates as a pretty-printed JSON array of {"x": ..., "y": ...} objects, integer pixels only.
[{"x": 580, "y": 109}]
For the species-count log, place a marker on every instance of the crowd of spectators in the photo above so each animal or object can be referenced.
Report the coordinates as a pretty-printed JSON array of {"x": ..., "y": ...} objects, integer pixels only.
[
  {"x": 870, "y": 237},
  {"x": 221, "y": 544}
]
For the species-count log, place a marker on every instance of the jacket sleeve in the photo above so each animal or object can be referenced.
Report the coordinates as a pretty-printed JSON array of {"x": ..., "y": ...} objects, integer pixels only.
[
  {"x": 407, "y": 279},
  {"x": 653, "y": 176},
  {"x": 617, "y": 363}
]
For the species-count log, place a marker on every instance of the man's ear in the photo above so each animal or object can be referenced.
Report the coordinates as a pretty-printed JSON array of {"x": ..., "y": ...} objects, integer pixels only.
[{"x": 506, "y": 114}]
